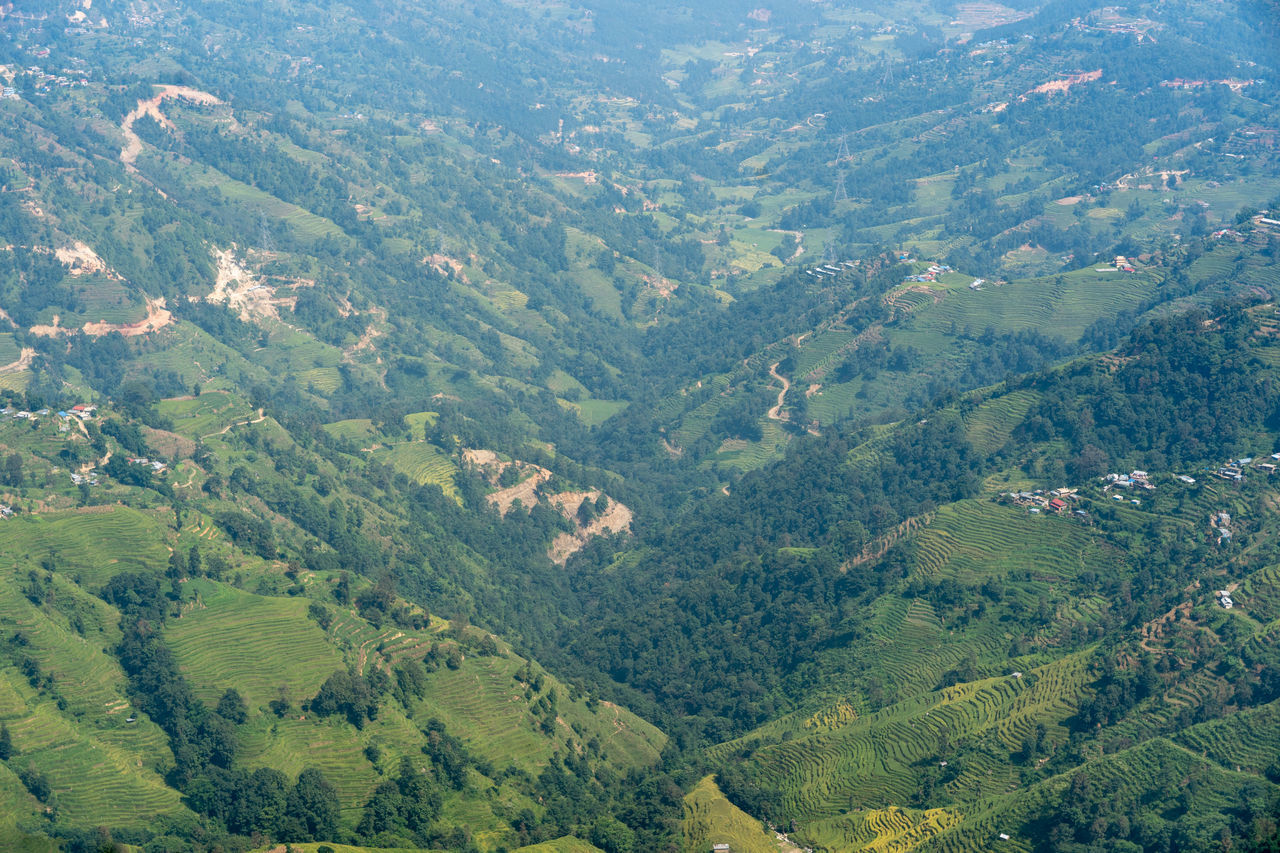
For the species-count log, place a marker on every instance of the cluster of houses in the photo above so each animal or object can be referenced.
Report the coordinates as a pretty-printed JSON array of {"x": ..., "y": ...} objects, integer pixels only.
[
  {"x": 931, "y": 274},
  {"x": 1122, "y": 263},
  {"x": 1132, "y": 480},
  {"x": 88, "y": 478},
  {"x": 82, "y": 411},
  {"x": 1041, "y": 500},
  {"x": 154, "y": 464},
  {"x": 6, "y": 511},
  {"x": 59, "y": 80},
  {"x": 1234, "y": 469},
  {"x": 23, "y": 414},
  {"x": 1224, "y": 598},
  {"x": 831, "y": 269}
]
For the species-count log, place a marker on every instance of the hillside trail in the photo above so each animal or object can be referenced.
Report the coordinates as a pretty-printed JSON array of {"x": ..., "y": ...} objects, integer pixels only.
[
  {"x": 775, "y": 414},
  {"x": 151, "y": 106},
  {"x": 261, "y": 416},
  {"x": 101, "y": 463}
]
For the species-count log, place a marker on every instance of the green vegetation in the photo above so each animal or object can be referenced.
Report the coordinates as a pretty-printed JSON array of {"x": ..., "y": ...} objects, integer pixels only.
[{"x": 845, "y": 314}]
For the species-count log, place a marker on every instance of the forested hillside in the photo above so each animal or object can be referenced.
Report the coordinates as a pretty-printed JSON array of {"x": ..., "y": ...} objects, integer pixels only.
[{"x": 570, "y": 426}]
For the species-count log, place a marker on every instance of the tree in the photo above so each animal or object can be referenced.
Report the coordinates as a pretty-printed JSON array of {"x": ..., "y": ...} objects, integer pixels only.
[
  {"x": 6, "y": 743},
  {"x": 232, "y": 707},
  {"x": 313, "y": 804},
  {"x": 13, "y": 475}
]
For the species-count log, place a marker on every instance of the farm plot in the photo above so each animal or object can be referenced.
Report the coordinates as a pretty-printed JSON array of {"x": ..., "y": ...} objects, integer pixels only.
[
  {"x": 566, "y": 844},
  {"x": 871, "y": 762},
  {"x": 95, "y": 780},
  {"x": 709, "y": 818},
  {"x": 256, "y": 644},
  {"x": 422, "y": 463},
  {"x": 888, "y": 830},
  {"x": 90, "y": 545},
  {"x": 208, "y": 414},
  {"x": 483, "y": 704}
]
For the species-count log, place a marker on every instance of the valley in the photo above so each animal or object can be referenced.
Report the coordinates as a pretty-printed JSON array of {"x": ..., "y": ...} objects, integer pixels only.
[{"x": 567, "y": 426}]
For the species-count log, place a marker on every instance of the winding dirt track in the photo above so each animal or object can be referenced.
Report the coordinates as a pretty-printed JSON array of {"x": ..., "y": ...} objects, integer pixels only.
[{"x": 775, "y": 414}]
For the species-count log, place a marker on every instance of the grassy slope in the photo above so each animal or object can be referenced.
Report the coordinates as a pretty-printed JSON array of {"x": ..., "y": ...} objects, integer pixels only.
[{"x": 709, "y": 818}]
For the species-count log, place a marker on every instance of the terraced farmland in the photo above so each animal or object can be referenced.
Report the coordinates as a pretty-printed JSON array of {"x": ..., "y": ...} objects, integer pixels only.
[
  {"x": 208, "y": 414},
  {"x": 91, "y": 545},
  {"x": 567, "y": 844},
  {"x": 89, "y": 680},
  {"x": 709, "y": 818},
  {"x": 422, "y": 463},
  {"x": 1064, "y": 304},
  {"x": 254, "y": 643},
  {"x": 989, "y": 426},
  {"x": 873, "y": 761},
  {"x": 484, "y": 705},
  {"x": 889, "y": 830},
  {"x": 973, "y": 540},
  {"x": 95, "y": 779},
  {"x": 819, "y": 352},
  {"x": 1248, "y": 741},
  {"x": 354, "y": 429}
]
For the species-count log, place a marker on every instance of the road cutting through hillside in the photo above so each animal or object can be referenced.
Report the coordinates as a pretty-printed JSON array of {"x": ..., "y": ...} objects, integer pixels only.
[{"x": 775, "y": 414}]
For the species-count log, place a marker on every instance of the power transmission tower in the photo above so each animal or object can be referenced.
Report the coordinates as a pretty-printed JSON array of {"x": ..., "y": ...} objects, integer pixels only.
[
  {"x": 841, "y": 194},
  {"x": 843, "y": 153},
  {"x": 264, "y": 235},
  {"x": 829, "y": 252}
]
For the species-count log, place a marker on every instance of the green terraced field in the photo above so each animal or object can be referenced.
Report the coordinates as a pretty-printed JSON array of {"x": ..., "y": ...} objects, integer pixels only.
[
  {"x": 92, "y": 544},
  {"x": 596, "y": 412},
  {"x": 254, "y": 643},
  {"x": 989, "y": 426},
  {"x": 891, "y": 830},
  {"x": 190, "y": 352},
  {"x": 311, "y": 847},
  {"x": 567, "y": 844},
  {"x": 9, "y": 350},
  {"x": 835, "y": 402},
  {"x": 709, "y": 818},
  {"x": 302, "y": 222},
  {"x": 355, "y": 429},
  {"x": 422, "y": 463},
  {"x": 90, "y": 681},
  {"x": 419, "y": 421},
  {"x": 748, "y": 456},
  {"x": 974, "y": 540},
  {"x": 1063, "y": 304},
  {"x": 96, "y": 778},
  {"x": 1248, "y": 740},
  {"x": 1136, "y": 775},
  {"x": 873, "y": 761},
  {"x": 484, "y": 705},
  {"x": 206, "y": 415},
  {"x": 332, "y": 746},
  {"x": 326, "y": 380},
  {"x": 819, "y": 352}
]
